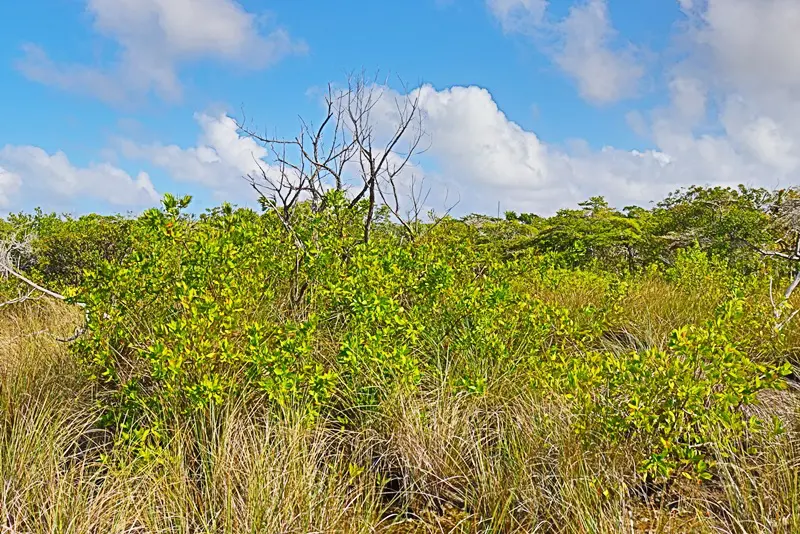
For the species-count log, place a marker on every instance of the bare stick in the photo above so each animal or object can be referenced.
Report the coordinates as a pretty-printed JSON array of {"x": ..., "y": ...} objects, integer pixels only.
[
  {"x": 36, "y": 286},
  {"x": 7, "y": 268}
]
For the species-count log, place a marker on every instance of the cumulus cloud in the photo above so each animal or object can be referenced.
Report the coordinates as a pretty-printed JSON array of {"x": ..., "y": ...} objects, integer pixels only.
[
  {"x": 476, "y": 153},
  {"x": 583, "y": 45},
  {"x": 740, "y": 78},
  {"x": 603, "y": 74},
  {"x": 746, "y": 50},
  {"x": 733, "y": 114},
  {"x": 483, "y": 157},
  {"x": 474, "y": 140},
  {"x": 219, "y": 162},
  {"x": 223, "y": 157},
  {"x": 728, "y": 120},
  {"x": 157, "y": 36},
  {"x": 689, "y": 98},
  {"x": 764, "y": 138},
  {"x": 28, "y": 173},
  {"x": 750, "y": 44},
  {"x": 9, "y": 186}
]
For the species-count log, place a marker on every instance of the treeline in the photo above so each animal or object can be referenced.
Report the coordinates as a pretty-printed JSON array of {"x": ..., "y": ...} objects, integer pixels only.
[
  {"x": 734, "y": 225},
  {"x": 742, "y": 227}
]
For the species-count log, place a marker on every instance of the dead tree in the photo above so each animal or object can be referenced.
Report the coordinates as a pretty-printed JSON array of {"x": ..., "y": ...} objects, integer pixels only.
[
  {"x": 350, "y": 151},
  {"x": 785, "y": 212}
]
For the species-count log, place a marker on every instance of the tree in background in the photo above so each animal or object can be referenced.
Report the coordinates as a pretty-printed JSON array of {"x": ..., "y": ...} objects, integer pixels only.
[
  {"x": 594, "y": 234},
  {"x": 721, "y": 221}
]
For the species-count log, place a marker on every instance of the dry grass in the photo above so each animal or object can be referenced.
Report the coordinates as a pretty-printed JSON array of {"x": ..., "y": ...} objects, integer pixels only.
[{"x": 434, "y": 462}]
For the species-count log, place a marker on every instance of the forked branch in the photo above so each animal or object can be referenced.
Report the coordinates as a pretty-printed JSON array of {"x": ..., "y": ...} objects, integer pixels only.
[{"x": 353, "y": 146}]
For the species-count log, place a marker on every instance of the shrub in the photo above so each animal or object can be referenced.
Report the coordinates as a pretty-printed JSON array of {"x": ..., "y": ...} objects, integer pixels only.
[
  {"x": 678, "y": 404},
  {"x": 63, "y": 248},
  {"x": 189, "y": 316},
  {"x": 306, "y": 317}
]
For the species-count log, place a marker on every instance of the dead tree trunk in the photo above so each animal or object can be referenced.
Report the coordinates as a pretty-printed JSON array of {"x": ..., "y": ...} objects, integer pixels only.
[{"x": 350, "y": 150}]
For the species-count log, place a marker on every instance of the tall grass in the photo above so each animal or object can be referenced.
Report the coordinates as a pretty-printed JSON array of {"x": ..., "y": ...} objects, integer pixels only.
[{"x": 432, "y": 461}]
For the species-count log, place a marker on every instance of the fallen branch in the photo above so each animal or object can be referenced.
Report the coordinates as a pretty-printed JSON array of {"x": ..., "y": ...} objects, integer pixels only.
[
  {"x": 19, "y": 300},
  {"x": 7, "y": 268}
]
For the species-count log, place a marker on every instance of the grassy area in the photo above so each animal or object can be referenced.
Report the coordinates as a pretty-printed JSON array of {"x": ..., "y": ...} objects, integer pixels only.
[
  {"x": 278, "y": 372},
  {"x": 438, "y": 461}
]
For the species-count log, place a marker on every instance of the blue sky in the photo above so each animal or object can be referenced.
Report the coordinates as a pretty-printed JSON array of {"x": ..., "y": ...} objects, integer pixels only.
[{"x": 535, "y": 105}]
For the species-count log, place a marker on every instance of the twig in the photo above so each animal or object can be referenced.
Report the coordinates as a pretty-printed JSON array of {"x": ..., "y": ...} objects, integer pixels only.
[{"x": 20, "y": 299}]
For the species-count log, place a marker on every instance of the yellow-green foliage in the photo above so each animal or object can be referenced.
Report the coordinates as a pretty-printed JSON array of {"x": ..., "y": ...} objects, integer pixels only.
[
  {"x": 196, "y": 315},
  {"x": 246, "y": 371}
]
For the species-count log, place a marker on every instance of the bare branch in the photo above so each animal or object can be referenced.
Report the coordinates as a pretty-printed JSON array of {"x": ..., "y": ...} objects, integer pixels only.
[
  {"x": 79, "y": 331},
  {"x": 9, "y": 267},
  {"x": 8, "y": 264},
  {"x": 318, "y": 158},
  {"x": 780, "y": 326},
  {"x": 792, "y": 287},
  {"x": 786, "y": 219},
  {"x": 22, "y": 298}
]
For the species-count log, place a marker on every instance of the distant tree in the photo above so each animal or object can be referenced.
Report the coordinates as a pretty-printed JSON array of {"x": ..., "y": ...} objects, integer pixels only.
[
  {"x": 505, "y": 237},
  {"x": 594, "y": 233},
  {"x": 720, "y": 220},
  {"x": 524, "y": 218}
]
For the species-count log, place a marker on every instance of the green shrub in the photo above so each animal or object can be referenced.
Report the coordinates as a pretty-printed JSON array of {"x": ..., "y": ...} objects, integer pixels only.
[
  {"x": 677, "y": 403},
  {"x": 189, "y": 315},
  {"x": 64, "y": 248},
  {"x": 302, "y": 315}
]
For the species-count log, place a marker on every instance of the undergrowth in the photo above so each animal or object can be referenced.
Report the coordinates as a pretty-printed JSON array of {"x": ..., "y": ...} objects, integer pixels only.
[{"x": 233, "y": 376}]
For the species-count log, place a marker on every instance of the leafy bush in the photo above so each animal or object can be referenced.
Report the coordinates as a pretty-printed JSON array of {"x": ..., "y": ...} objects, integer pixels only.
[
  {"x": 295, "y": 310},
  {"x": 187, "y": 316},
  {"x": 673, "y": 402},
  {"x": 63, "y": 248}
]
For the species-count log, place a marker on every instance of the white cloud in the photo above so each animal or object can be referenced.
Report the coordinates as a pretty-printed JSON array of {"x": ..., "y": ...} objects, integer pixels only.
[
  {"x": 483, "y": 157},
  {"x": 744, "y": 54},
  {"x": 44, "y": 179},
  {"x": 584, "y": 45},
  {"x": 689, "y": 98},
  {"x": 749, "y": 44},
  {"x": 220, "y": 160},
  {"x": 223, "y": 157},
  {"x": 518, "y": 16},
  {"x": 473, "y": 140},
  {"x": 742, "y": 77},
  {"x": 766, "y": 140},
  {"x": 733, "y": 114},
  {"x": 763, "y": 137},
  {"x": 109, "y": 87},
  {"x": 9, "y": 186},
  {"x": 155, "y": 38},
  {"x": 488, "y": 157},
  {"x": 729, "y": 119},
  {"x": 603, "y": 75}
]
